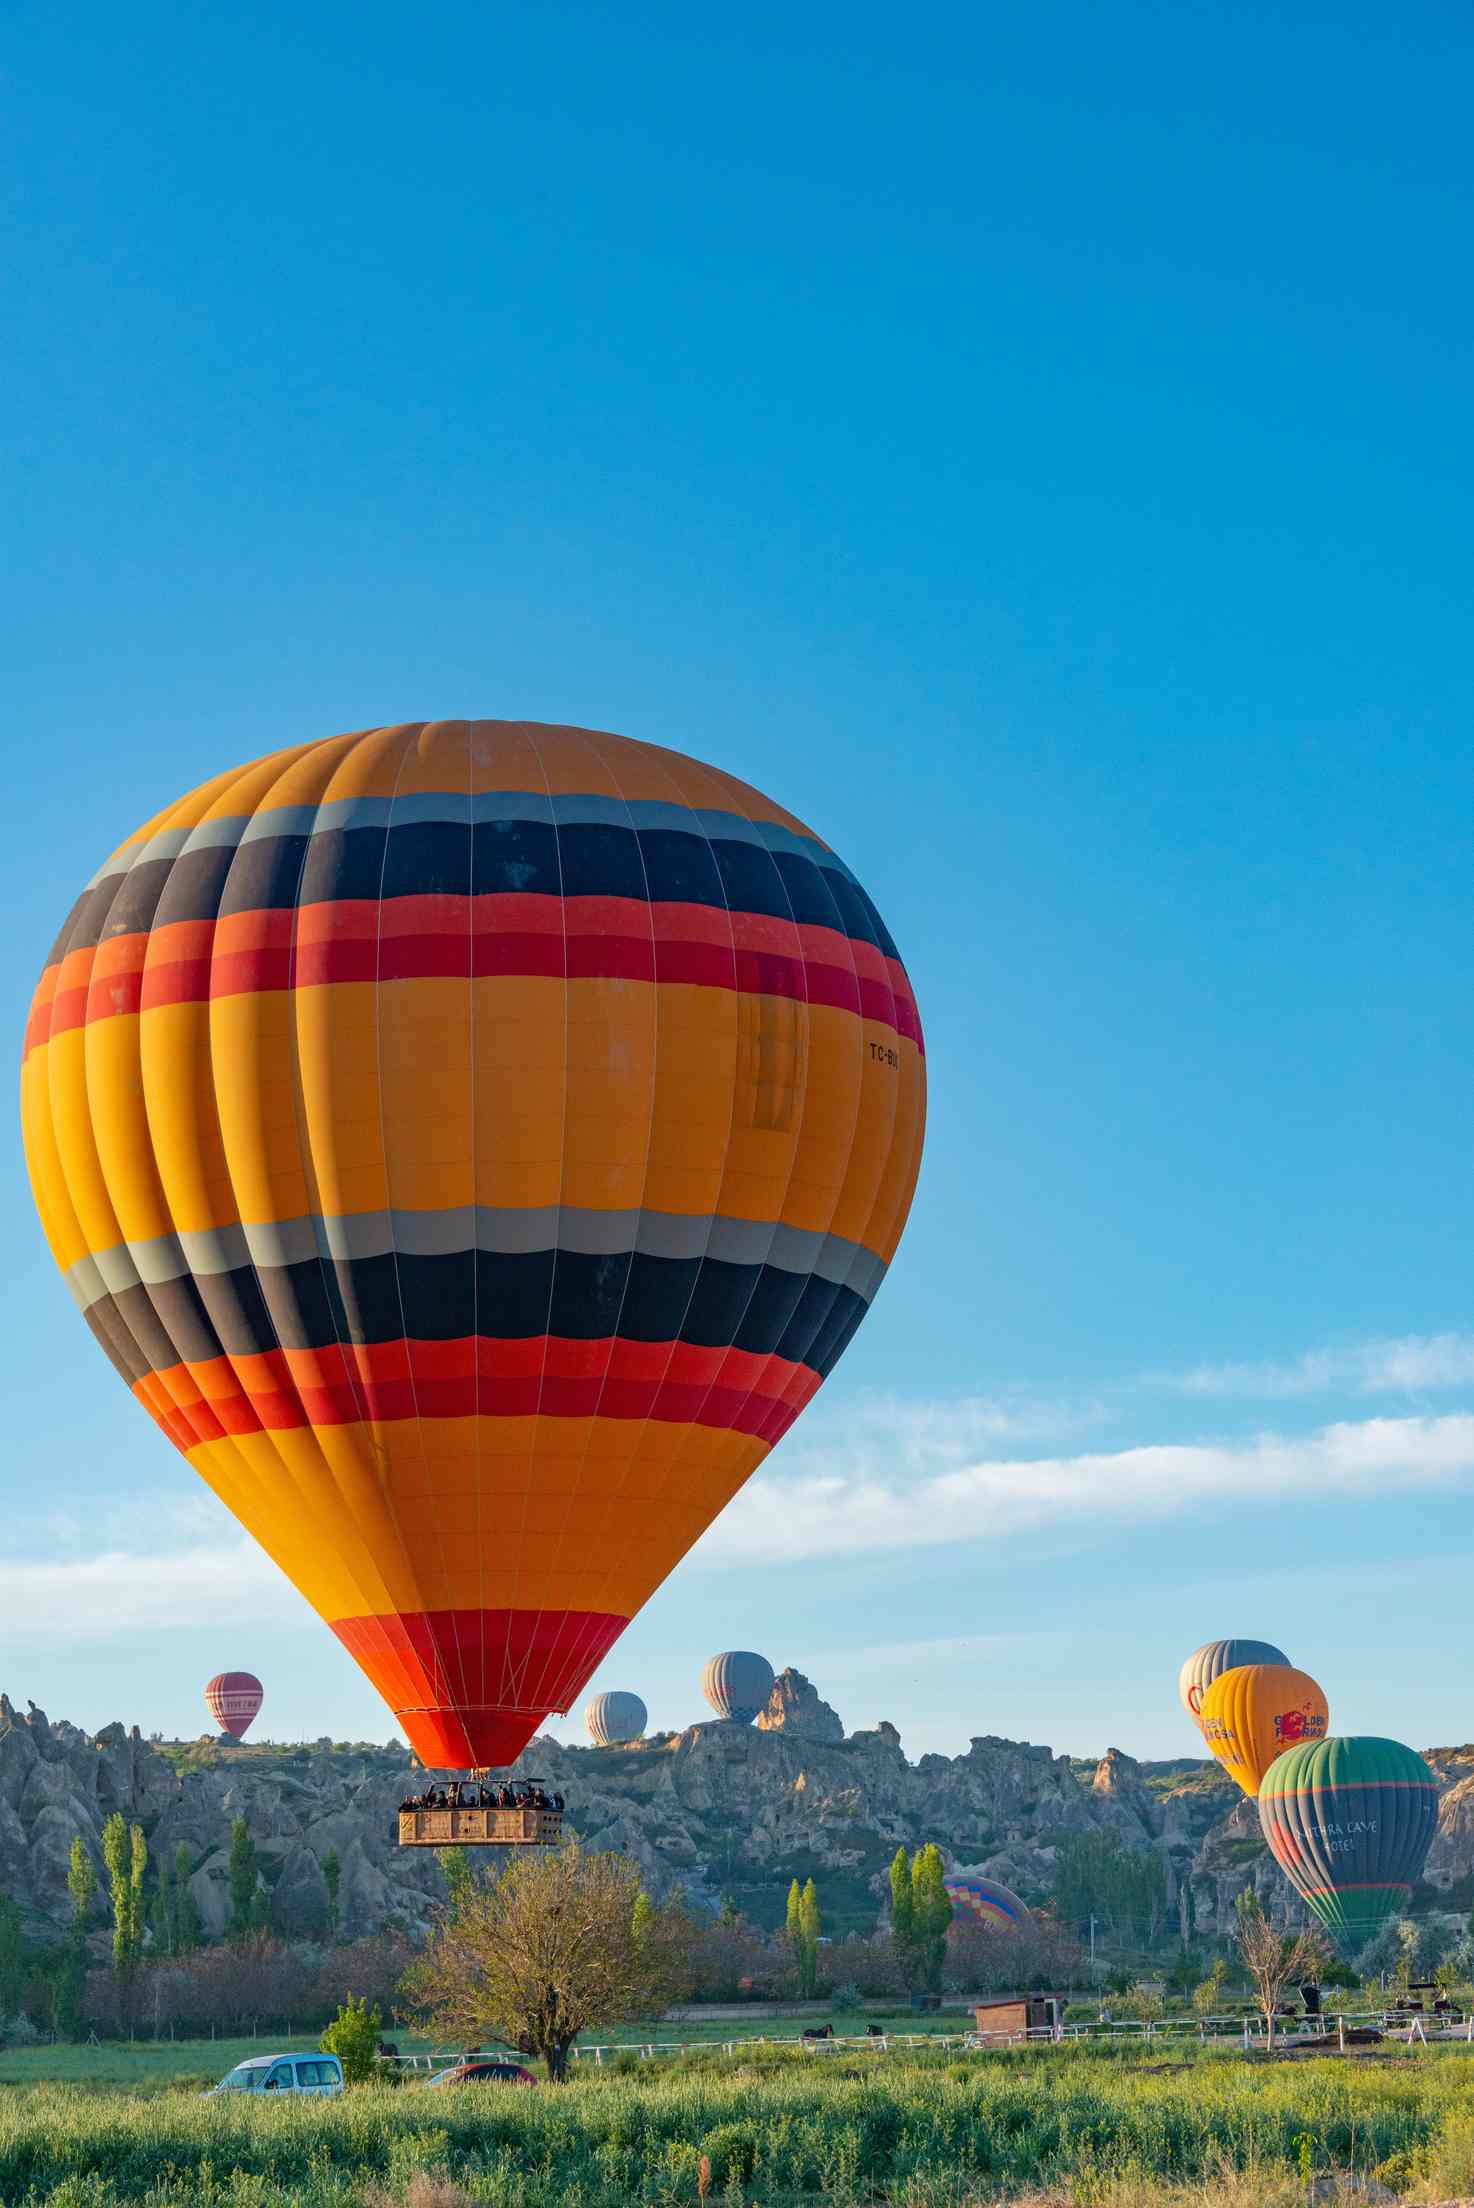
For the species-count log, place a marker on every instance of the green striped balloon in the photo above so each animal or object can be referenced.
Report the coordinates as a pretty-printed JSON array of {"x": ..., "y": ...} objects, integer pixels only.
[{"x": 1349, "y": 1820}]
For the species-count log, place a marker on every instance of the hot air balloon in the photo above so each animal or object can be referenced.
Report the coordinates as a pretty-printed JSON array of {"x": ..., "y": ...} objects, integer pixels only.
[
  {"x": 1348, "y": 1820},
  {"x": 615, "y": 1717},
  {"x": 1254, "y": 1713},
  {"x": 474, "y": 1142},
  {"x": 984, "y": 1899},
  {"x": 1214, "y": 1657},
  {"x": 233, "y": 1699},
  {"x": 737, "y": 1684}
]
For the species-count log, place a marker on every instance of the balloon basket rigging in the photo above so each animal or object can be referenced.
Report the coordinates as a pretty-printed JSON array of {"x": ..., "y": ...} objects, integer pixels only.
[{"x": 480, "y": 1828}]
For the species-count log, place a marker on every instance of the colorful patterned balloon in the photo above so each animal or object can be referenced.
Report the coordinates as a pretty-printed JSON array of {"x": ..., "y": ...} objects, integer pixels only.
[
  {"x": 474, "y": 1142},
  {"x": 1254, "y": 1713},
  {"x": 233, "y": 1699},
  {"x": 615, "y": 1717},
  {"x": 986, "y": 1900},
  {"x": 737, "y": 1684},
  {"x": 1215, "y": 1657},
  {"x": 1349, "y": 1821}
]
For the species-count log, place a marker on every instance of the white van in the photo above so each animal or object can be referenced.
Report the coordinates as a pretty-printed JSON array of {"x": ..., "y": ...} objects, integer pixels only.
[{"x": 283, "y": 2074}]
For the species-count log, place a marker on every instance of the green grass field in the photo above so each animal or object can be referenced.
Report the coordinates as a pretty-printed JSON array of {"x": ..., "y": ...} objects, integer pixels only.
[
  {"x": 930, "y": 2129},
  {"x": 148, "y": 2065}
]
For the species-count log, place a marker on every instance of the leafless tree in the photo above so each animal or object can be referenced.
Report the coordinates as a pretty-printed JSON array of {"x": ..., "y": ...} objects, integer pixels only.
[
  {"x": 553, "y": 1947},
  {"x": 1275, "y": 1960}
]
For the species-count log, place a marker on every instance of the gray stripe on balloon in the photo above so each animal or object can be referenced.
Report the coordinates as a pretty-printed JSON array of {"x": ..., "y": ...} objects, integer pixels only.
[{"x": 353, "y": 1237}]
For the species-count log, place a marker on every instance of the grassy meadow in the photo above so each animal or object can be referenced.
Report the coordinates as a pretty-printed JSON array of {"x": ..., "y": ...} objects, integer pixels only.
[{"x": 1081, "y": 2127}]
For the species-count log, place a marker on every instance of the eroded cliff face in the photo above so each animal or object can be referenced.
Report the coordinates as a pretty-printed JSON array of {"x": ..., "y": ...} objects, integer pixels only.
[{"x": 715, "y": 1809}]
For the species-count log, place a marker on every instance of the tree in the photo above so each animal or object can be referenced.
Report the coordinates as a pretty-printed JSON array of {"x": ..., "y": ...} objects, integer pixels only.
[
  {"x": 188, "y": 1931},
  {"x": 792, "y": 1931},
  {"x": 72, "y": 1974},
  {"x": 245, "y": 1878},
  {"x": 332, "y": 1878},
  {"x": 1274, "y": 1960},
  {"x": 353, "y": 2036},
  {"x": 545, "y": 1951},
  {"x": 900, "y": 1898},
  {"x": 931, "y": 1914},
  {"x": 1208, "y": 1995},
  {"x": 1143, "y": 2001},
  {"x": 1094, "y": 1876},
  {"x": 808, "y": 1933},
  {"x": 457, "y": 1869},
  {"x": 12, "y": 1959},
  {"x": 161, "y": 1911},
  {"x": 125, "y": 1854}
]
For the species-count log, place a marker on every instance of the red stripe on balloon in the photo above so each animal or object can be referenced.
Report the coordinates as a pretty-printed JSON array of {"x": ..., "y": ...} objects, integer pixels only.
[{"x": 527, "y": 1663}]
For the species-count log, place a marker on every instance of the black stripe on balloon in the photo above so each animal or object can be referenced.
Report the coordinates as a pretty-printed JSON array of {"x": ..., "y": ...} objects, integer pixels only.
[
  {"x": 419, "y": 858},
  {"x": 757, "y": 1308}
]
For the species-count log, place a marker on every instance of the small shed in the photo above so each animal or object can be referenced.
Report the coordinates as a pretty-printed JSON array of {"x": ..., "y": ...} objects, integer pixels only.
[{"x": 1009, "y": 2013}]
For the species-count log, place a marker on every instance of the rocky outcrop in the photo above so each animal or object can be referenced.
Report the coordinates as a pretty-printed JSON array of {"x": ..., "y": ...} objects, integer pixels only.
[
  {"x": 713, "y": 1810},
  {"x": 794, "y": 1708}
]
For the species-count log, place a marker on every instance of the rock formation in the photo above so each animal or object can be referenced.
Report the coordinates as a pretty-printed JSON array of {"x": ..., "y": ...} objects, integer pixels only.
[{"x": 715, "y": 1809}]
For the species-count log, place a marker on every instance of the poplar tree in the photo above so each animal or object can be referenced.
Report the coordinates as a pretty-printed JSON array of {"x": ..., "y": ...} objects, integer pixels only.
[
  {"x": 188, "y": 1931},
  {"x": 125, "y": 1853},
  {"x": 901, "y": 1913},
  {"x": 808, "y": 1933},
  {"x": 72, "y": 1980},
  {"x": 332, "y": 1873},
  {"x": 12, "y": 1958},
  {"x": 931, "y": 1914}
]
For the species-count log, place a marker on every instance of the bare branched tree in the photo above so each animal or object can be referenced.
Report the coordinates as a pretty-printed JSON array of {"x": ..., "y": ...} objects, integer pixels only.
[
  {"x": 1275, "y": 1960},
  {"x": 555, "y": 1946}
]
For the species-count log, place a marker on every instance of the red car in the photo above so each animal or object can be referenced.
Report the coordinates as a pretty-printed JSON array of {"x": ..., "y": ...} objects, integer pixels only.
[{"x": 490, "y": 2070}]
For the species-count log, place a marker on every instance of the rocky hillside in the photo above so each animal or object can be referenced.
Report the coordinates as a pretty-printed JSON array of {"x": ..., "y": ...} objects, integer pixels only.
[{"x": 715, "y": 1809}]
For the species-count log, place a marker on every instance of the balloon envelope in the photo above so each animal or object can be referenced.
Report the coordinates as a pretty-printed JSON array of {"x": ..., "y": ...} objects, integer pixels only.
[
  {"x": 1348, "y": 1820},
  {"x": 614, "y": 1717},
  {"x": 1253, "y": 1714},
  {"x": 233, "y": 1699},
  {"x": 737, "y": 1684},
  {"x": 1215, "y": 1657},
  {"x": 474, "y": 1142},
  {"x": 985, "y": 1900}
]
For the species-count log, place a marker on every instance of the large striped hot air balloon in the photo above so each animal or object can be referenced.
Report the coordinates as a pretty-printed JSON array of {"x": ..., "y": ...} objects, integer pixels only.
[
  {"x": 737, "y": 1684},
  {"x": 1349, "y": 1821},
  {"x": 614, "y": 1717},
  {"x": 474, "y": 1142},
  {"x": 1215, "y": 1657},
  {"x": 1255, "y": 1712},
  {"x": 233, "y": 1699},
  {"x": 984, "y": 1900}
]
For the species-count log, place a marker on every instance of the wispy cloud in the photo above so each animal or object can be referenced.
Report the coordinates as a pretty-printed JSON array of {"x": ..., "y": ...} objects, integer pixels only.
[
  {"x": 126, "y": 1590},
  {"x": 1408, "y": 1365},
  {"x": 851, "y": 1511}
]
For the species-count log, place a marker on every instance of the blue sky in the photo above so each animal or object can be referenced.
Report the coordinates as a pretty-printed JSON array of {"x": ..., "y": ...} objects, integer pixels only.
[{"x": 1034, "y": 445}]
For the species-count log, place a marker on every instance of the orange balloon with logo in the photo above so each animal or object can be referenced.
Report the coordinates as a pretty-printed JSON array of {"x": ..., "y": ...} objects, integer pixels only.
[{"x": 1254, "y": 1713}]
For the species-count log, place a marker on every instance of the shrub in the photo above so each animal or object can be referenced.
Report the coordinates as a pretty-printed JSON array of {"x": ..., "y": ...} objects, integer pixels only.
[
  {"x": 732, "y": 2151},
  {"x": 353, "y": 2036}
]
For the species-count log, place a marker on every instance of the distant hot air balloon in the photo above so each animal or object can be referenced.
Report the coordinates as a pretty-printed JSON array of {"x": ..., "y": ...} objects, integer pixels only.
[
  {"x": 1254, "y": 1713},
  {"x": 1214, "y": 1657},
  {"x": 474, "y": 1142},
  {"x": 985, "y": 1900},
  {"x": 233, "y": 1699},
  {"x": 1348, "y": 1820},
  {"x": 737, "y": 1684},
  {"x": 614, "y": 1717}
]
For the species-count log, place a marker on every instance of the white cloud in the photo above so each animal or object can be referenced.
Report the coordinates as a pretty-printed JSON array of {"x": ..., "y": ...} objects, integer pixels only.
[
  {"x": 855, "y": 1511},
  {"x": 1398, "y": 1366},
  {"x": 87, "y": 1598}
]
